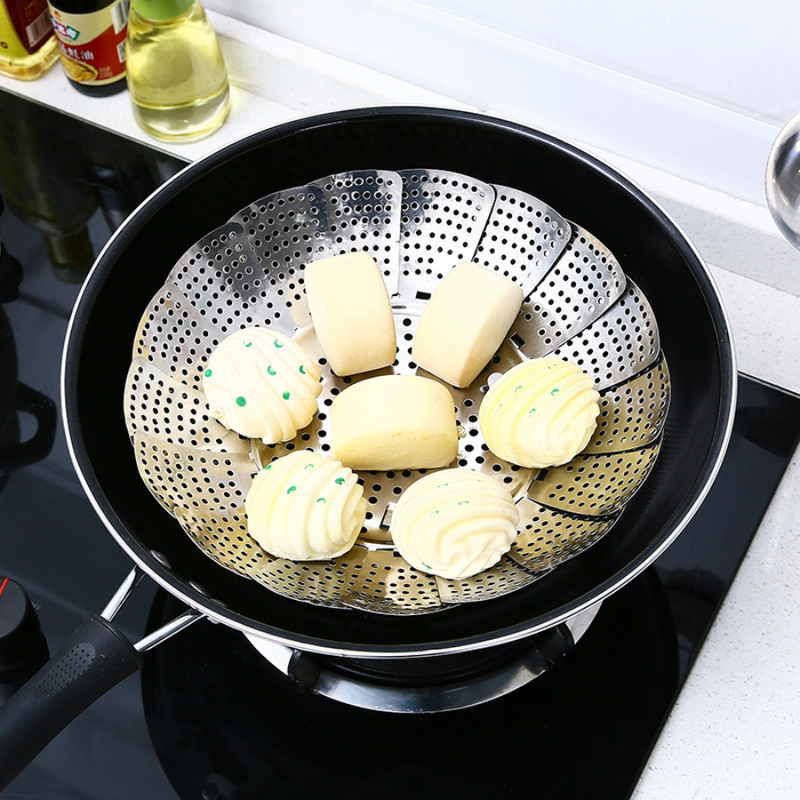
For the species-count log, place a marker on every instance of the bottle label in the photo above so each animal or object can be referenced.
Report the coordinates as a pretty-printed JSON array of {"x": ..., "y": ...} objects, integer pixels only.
[
  {"x": 24, "y": 27},
  {"x": 93, "y": 45}
]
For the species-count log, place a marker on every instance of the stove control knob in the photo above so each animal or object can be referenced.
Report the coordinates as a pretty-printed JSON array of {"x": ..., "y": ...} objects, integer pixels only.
[{"x": 23, "y": 648}]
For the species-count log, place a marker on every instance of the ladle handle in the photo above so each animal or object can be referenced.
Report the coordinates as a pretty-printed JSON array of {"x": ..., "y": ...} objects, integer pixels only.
[{"x": 95, "y": 659}]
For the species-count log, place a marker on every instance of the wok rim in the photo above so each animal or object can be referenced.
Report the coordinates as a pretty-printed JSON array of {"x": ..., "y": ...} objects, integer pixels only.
[{"x": 215, "y": 610}]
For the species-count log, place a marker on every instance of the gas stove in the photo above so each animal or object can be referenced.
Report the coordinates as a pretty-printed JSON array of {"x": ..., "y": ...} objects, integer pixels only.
[{"x": 208, "y": 716}]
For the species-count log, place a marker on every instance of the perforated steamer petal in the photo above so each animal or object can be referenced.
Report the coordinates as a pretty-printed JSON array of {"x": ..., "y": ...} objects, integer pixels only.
[{"x": 418, "y": 224}]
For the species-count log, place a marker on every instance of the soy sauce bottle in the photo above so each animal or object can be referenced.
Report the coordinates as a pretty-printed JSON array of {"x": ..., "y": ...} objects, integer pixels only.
[{"x": 91, "y": 37}]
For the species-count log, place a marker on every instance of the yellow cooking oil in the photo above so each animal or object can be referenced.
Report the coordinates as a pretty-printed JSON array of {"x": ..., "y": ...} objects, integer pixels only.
[
  {"x": 29, "y": 66},
  {"x": 176, "y": 72},
  {"x": 28, "y": 47}
]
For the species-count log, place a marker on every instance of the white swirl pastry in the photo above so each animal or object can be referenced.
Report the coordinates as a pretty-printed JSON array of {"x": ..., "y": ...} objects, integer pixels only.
[
  {"x": 262, "y": 385},
  {"x": 305, "y": 507},
  {"x": 454, "y": 523},
  {"x": 541, "y": 413}
]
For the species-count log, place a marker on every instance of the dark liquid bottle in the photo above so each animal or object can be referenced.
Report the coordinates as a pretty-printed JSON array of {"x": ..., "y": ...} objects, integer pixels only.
[{"x": 91, "y": 37}]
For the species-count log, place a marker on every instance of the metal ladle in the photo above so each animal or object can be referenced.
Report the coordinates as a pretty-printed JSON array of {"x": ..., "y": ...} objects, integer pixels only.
[{"x": 783, "y": 180}]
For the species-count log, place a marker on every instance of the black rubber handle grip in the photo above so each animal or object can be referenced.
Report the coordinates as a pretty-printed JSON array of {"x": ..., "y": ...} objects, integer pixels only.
[{"x": 94, "y": 660}]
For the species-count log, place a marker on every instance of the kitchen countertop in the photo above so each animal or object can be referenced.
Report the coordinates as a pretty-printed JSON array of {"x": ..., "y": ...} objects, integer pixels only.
[{"x": 735, "y": 728}]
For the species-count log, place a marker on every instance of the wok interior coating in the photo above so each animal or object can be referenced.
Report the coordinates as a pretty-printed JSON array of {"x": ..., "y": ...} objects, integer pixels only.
[{"x": 692, "y": 327}]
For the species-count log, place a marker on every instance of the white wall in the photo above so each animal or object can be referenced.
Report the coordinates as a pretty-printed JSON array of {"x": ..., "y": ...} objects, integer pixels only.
[{"x": 698, "y": 88}]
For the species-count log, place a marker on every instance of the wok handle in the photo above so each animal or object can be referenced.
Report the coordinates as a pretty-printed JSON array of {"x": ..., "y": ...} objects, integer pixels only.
[{"x": 95, "y": 659}]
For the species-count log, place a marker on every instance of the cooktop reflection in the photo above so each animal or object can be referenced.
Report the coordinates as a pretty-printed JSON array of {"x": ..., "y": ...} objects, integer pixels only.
[{"x": 231, "y": 726}]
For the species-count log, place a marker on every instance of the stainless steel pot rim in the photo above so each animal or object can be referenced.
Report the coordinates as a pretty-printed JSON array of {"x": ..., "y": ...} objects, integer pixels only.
[{"x": 213, "y": 609}]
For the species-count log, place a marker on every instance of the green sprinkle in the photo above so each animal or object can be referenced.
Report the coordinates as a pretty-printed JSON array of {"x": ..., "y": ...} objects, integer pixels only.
[
  {"x": 291, "y": 489},
  {"x": 340, "y": 481},
  {"x": 309, "y": 466},
  {"x": 463, "y": 502},
  {"x": 321, "y": 500},
  {"x": 302, "y": 370},
  {"x": 425, "y": 565},
  {"x": 240, "y": 401},
  {"x": 208, "y": 373},
  {"x": 555, "y": 391},
  {"x": 278, "y": 344},
  {"x": 434, "y": 513},
  {"x": 286, "y": 395},
  {"x": 269, "y": 466},
  {"x": 271, "y": 371},
  {"x": 518, "y": 388},
  {"x": 249, "y": 344},
  {"x": 531, "y": 412}
]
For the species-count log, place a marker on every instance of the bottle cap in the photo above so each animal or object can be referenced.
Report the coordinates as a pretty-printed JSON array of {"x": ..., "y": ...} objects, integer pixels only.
[{"x": 161, "y": 9}]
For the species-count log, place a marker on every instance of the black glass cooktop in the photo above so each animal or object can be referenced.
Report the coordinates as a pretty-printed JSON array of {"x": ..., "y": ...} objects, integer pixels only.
[{"x": 207, "y": 717}]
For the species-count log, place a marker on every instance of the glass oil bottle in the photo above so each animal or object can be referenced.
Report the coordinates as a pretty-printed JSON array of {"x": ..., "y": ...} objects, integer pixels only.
[
  {"x": 177, "y": 78},
  {"x": 27, "y": 45}
]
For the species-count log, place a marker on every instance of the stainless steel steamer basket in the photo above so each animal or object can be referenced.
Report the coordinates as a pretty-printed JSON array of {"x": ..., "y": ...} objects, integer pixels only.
[
  {"x": 417, "y": 224},
  {"x": 654, "y": 254}
]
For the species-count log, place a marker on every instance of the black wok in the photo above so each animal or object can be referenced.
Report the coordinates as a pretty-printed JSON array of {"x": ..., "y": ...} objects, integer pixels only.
[{"x": 694, "y": 336}]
